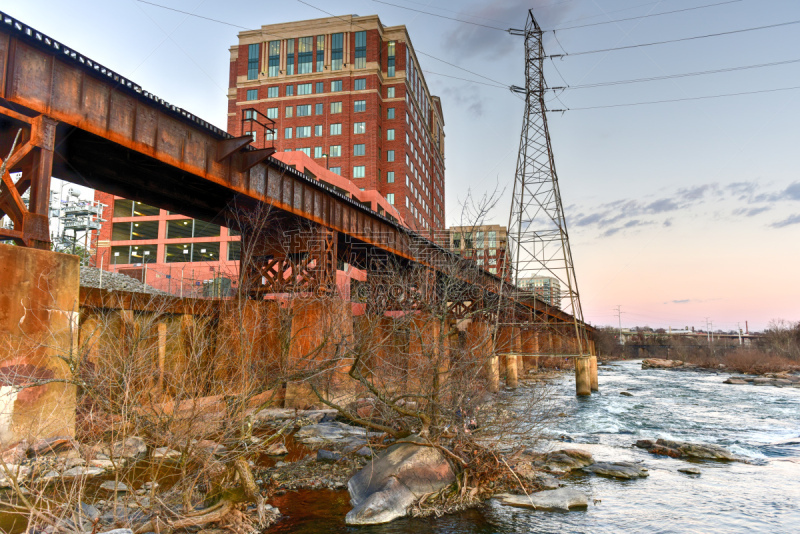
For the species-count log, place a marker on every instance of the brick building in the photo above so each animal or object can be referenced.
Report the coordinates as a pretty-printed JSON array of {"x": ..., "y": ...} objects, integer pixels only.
[
  {"x": 485, "y": 244},
  {"x": 349, "y": 93}
]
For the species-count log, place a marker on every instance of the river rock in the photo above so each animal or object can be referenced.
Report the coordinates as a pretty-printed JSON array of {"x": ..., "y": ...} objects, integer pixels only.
[
  {"x": 83, "y": 471},
  {"x": 276, "y": 449},
  {"x": 166, "y": 453},
  {"x": 328, "y": 456},
  {"x": 624, "y": 470},
  {"x": 50, "y": 446},
  {"x": 683, "y": 449},
  {"x": 16, "y": 454},
  {"x": 689, "y": 470},
  {"x": 131, "y": 448},
  {"x": 564, "y": 460},
  {"x": 323, "y": 432},
  {"x": 113, "y": 487},
  {"x": 626, "y": 393},
  {"x": 558, "y": 500},
  {"x": 737, "y": 381},
  {"x": 656, "y": 363},
  {"x": 384, "y": 489}
]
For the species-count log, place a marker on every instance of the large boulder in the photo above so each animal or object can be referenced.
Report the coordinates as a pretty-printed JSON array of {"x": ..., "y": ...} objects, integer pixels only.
[
  {"x": 656, "y": 363},
  {"x": 684, "y": 449},
  {"x": 623, "y": 470},
  {"x": 387, "y": 486},
  {"x": 559, "y": 500}
]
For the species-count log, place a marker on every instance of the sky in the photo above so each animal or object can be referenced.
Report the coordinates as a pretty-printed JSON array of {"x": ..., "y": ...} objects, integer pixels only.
[{"x": 678, "y": 212}]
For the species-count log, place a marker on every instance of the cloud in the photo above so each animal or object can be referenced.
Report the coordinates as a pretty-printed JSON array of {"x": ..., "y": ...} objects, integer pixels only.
[
  {"x": 750, "y": 212},
  {"x": 695, "y": 193},
  {"x": 682, "y": 301},
  {"x": 792, "y": 219},
  {"x": 667, "y": 223},
  {"x": 660, "y": 206},
  {"x": 472, "y": 41},
  {"x": 467, "y": 98},
  {"x": 793, "y": 191}
]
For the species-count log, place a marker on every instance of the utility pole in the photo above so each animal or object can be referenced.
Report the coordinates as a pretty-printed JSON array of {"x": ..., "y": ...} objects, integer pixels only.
[
  {"x": 538, "y": 242},
  {"x": 619, "y": 317},
  {"x": 739, "y": 331},
  {"x": 708, "y": 334}
]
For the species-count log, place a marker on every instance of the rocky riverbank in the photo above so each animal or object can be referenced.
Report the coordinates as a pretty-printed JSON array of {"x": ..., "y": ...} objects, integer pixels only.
[{"x": 781, "y": 379}]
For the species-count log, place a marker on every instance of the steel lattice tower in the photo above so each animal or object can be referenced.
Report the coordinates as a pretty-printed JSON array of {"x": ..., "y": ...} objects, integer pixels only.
[{"x": 538, "y": 243}]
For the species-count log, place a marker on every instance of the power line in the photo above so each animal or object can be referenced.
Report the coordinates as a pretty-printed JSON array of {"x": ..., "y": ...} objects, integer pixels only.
[
  {"x": 731, "y": 32},
  {"x": 442, "y": 16},
  {"x": 672, "y": 76},
  {"x": 467, "y": 80},
  {"x": 677, "y": 99},
  {"x": 646, "y": 16},
  {"x": 193, "y": 15}
]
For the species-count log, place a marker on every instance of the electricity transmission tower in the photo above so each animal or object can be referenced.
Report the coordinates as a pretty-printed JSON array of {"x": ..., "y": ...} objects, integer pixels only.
[{"x": 538, "y": 243}]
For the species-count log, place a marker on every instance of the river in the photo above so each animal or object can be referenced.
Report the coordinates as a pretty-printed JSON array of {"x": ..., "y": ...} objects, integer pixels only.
[{"x": 761, "y": 423}]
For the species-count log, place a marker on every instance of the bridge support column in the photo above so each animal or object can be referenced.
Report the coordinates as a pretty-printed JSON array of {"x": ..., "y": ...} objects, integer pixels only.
[
  {"x": 512, "y": 370},
  {"x": 38, "y": 326},
  {"x": 593, "y": 367},
  {"x": 493, "y": 373},
  {"x": 583, "y": 376}
]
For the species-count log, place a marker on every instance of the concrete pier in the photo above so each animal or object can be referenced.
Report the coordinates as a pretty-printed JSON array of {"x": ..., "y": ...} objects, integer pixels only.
[
  {"x": 38, "y": 327},
  {"x": 594, "y": 380},
  {"x": 512, "y": 370},
  {"x": 583, "y": 376}
]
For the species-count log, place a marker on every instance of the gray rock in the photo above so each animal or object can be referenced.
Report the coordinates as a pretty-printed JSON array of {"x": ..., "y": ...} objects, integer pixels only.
[
  {"x": 699, "y": 450},
  {"x": 782, "y": 382},
  {"x": 131, "y": 448},
  {"x": 624, "y": 470},
  {"x": 118, "y": 531},
  {"x": 761, "y": 381},
  {"x": 558, "y": 500},
  {"x": 323, "y": 432},
  {"x": 90, "y": 277},
  {"x": 166, "y": 453},
  {"x": 387, "y": 486},
  {"x": 564, "y": 460},
  {"x": 546, "y": 481},
  {"x": 626, "y": 393},
  {"x": 364, "y": 451},
  {"x": 737, "y": 381},
  {"x": 328, "y": 456},
  {"x": 689, "y": 470},
  {"x": 112, "y": 486},
  {"x": 83, "y": 471}
]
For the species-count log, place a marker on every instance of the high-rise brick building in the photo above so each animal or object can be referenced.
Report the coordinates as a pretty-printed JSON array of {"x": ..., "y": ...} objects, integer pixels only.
[{"x": 347, "y": 91}]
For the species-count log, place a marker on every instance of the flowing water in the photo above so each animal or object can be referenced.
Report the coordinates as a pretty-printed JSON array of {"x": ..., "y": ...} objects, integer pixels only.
[{"x": 760, "y": 423}]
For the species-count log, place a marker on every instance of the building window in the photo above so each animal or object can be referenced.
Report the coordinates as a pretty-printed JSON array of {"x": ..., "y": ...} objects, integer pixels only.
[
  {"x": 270, "y": 135},
  {"x": 390, "y": 177},
  {"x": 252, "y": 134},
  {"x": 336, "y": 86},
  {"x": 390, "y": 155},
  {"x": 287, "y": 133},
  {"x": 336, "y": 107},
  {"x": 390, "y": 198},
  {"x": 317, "y": 151},
  {"x": 252, "y": 61},
  {"x": 274, "y": 59},
  {"x": 252, "y": 94},
  {"x": 318, "y": 130},
  {"x": 390, "y": 134},
  {"x": 131, "y": 208},
  {"x": 335, "y": 151},
  {"x": 359, "y": 171},
  {"x": 290, "y": 90},
  {"x": 272, "y": 113},
  {"x": 304, "y": 111},
  {"x": 390, "y": 92},
  {"x": 360, "y": 84},
  {"x": 359, "y": 150},
  {"x": 134, "y": 231},
  {"x": 336, "y": 170},
  {"x": 360, "y": 105},
  {"x": 361, "y": 50},
  {"x": 318, "y": 108},
  {"x": 303, "y": 88},
  {"x": 272, "y": 92},
  {"x": 390, "y": 48},
  {"x": 336, "y": 129},
  {"x": 305, "y": 55},
  {"x": 289, "y": 111},
  {"x": 289, "y": 57},
  {"x": 303, "y": 132},
  {"x": 359, "y": 127},
  {"x": 390, "y": 113},
  {"x": 188, "y": 228},
  {"x": 320, "y": 87},
  {"x": 337, "y": 50},
  {"x": 306, "y": 151},
  {"x": 320, "y": 54}
]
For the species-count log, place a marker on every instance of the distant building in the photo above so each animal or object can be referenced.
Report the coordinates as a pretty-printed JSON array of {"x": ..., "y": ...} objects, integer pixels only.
[
  {"x": 349, "y": 93},
  {"x": 545, "y": 287},
  {"x": 485, "y": 244}
]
